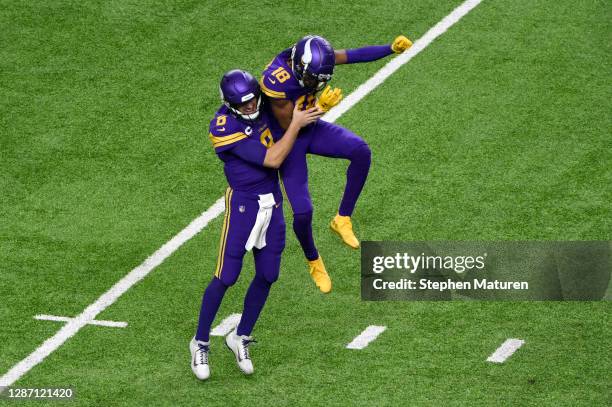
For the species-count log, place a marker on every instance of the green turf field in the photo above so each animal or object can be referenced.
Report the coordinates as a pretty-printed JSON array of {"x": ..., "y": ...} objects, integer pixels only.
[{"x": 499, "y": 130}]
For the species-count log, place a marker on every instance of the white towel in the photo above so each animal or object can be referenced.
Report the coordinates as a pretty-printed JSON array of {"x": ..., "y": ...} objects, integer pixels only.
[{"x": 257, "y": 238}]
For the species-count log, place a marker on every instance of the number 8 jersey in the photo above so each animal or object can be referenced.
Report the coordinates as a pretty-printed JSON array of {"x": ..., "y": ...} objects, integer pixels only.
[{"x": 242, "y": 145}]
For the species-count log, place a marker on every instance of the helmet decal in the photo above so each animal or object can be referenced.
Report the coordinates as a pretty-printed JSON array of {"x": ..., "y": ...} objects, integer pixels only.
[
  {"x": 307, "y": 57},
  {"x": 312, "y": 61},
  {"x": 247, "y": 97}
]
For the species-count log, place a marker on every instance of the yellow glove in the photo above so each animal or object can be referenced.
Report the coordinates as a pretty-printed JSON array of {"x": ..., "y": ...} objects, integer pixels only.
[
  {"x": 329, "y": 98},
  {"x": 400, "y": 44}
]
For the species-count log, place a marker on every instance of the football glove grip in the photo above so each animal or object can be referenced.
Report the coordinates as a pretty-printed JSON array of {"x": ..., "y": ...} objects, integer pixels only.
[
  {"x": 400, "y": 44},
  {"x": 329, "y": 98}
]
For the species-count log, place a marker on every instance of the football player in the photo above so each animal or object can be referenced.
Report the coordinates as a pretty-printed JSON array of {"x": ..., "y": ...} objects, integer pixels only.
[
  {"x": 242, "y": 139},
  {"x": 293, "y": 79}
]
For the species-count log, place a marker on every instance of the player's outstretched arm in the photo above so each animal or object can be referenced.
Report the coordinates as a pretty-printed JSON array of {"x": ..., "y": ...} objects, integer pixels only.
[
  {"x": 276, "y": 154},
  {"x": 373, "y": 52}
]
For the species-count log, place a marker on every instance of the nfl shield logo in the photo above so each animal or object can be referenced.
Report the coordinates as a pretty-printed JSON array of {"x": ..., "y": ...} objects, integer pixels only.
[{"x": 241, "y": 208}]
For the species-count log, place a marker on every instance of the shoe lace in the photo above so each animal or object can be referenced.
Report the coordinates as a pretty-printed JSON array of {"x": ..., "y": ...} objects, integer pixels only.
[
  {"x": 202, "y": 351},
  {"x": 245, "y": 347}
]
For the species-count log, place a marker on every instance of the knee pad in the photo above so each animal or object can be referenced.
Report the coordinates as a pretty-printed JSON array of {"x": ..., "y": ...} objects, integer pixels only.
[
  {"x": 361, "y": 154},
  {"x": 228, "y": 280},
  {"x": 216, "y": 281},
  {"x": 271, "y": 277},
  {"x": 231, "y": 269},
  {"x": 300, "y": 204},
  {"x": 268, "y": 278},
  {"x": 302, "y": 218}
]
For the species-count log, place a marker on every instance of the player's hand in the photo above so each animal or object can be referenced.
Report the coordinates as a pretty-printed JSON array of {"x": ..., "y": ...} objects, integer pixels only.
[
  {"x": 302, "y": 118},
  {"x": 400, "y": 44},
  {"x": 329, "y": 98}
]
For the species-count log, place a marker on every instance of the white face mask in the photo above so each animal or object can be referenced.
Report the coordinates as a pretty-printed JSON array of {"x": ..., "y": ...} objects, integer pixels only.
[{"x": 251, "y": 116}]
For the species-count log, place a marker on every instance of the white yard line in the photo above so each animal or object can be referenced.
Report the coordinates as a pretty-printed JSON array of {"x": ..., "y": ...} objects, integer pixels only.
[
  {"x": 140, "y": 272},
  {"x": 396, "y": 63},
  {"x": 506, "y": 350},
  {"x": 113, "y": 324},
  {"x": 109, "y": 297},
  {"x": 226, "y": 325},
  {"x": 364, "y": 338}
]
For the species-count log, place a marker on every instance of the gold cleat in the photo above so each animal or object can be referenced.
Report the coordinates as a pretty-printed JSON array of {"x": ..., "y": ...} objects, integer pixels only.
[
  {"x": 319, "y": 275},
  {"x": 344, "y": 228}
]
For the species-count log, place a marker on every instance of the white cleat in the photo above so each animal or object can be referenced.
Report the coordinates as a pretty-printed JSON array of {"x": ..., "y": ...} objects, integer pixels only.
[
  {"x": 240, "y": 346},
  {"x": 199, "y": 358}
]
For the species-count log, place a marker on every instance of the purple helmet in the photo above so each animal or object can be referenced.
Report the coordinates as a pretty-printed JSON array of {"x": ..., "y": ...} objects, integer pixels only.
[
  {"x": 313, "y": 61},
  {"x": 238, "y": 87}
]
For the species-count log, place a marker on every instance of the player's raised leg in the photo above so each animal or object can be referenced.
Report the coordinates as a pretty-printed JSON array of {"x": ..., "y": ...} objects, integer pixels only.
[
  {"x": 294, "y": 175},
  {"x": 331, "y": 140}
]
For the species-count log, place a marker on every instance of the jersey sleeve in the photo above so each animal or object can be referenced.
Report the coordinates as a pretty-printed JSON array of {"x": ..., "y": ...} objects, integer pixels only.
[
  {"x": 271, "y": 85},
  {"x": 278, "y": 80},
  {"x": 251, "y": 151},
  {"x": 224, "y": 134}
]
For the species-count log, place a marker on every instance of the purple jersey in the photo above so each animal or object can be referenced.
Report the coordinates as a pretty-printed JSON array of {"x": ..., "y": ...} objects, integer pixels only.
[
  {"x": 242, "y": 148},
  {"x": 279, "y": 82}
]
